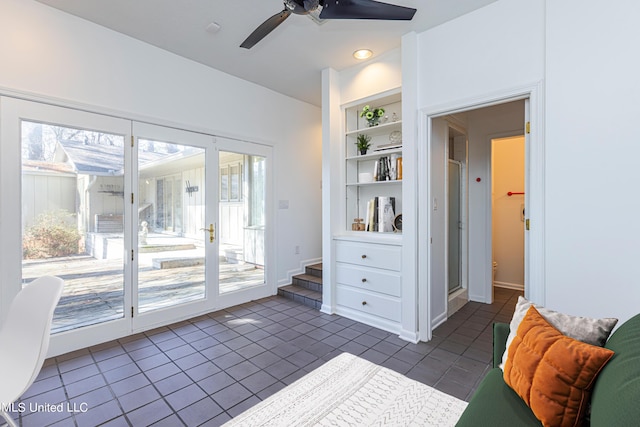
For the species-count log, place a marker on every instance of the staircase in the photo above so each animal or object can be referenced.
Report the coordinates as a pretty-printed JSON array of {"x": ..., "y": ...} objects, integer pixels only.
[{"x": 306, "y": 288}]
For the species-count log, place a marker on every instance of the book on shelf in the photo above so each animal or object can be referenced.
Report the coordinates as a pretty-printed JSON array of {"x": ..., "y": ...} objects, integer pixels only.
[
  {"x": 385, "y": 168},
  {"x": 380, "y": 214}
]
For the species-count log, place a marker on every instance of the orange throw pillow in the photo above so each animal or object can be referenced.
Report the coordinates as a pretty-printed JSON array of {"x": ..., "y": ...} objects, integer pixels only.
[{"x": 551, "y": 372}]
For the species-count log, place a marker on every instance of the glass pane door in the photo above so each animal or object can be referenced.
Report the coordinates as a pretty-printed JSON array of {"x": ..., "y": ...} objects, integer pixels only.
[
  {"x": 64, "y": 172},
  {"x": 173, "y": 220},
  {"x": 73, "y": 219},
  {"x": 454, "y": 223},
  {"x": 243, "y": 221}
]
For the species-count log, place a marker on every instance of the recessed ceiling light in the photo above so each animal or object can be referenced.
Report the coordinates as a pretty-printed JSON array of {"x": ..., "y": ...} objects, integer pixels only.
[{"x": 362, "y": 54}]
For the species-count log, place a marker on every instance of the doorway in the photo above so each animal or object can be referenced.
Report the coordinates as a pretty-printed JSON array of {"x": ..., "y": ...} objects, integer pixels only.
[
  {"x": 482, "y": 122},
  {"x": 508, "y": 211},
  {"x": 127, "y": 214}
]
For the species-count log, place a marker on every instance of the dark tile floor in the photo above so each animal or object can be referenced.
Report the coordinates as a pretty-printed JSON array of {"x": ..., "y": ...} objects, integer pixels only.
[{"x": 207, "y": 370}]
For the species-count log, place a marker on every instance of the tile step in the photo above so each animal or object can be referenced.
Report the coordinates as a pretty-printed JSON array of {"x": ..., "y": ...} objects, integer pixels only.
[
  {"x": 314, "y": 270},
  {"x": 302, "y": 295},
  {"x": 307, "y": 281}
]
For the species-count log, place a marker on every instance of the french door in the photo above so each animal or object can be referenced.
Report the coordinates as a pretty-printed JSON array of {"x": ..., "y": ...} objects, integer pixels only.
[
  {"x": 244, "y": 214},
  {"x": 146, "y": 224},
  {"x": 64, "y": 179},
  {"x": 173, "y": 228}
]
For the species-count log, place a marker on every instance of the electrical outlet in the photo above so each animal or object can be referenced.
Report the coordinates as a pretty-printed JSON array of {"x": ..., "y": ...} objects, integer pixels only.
[{"x": 297, "y": 249}]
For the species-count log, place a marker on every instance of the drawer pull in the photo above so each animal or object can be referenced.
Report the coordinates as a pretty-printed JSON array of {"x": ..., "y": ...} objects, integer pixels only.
[
  {"x": 364, "y": 303},
  {"x": 364, "y": 256},
  {"x": 364, "y": 279}
]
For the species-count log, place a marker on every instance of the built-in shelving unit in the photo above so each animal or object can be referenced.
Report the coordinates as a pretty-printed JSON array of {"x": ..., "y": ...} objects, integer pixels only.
[
  {"x": 376, "y": 174},
  {"x": 366, "y": 265}
]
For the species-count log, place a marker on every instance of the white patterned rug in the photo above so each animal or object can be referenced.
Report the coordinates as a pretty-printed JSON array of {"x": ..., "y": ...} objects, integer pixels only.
[{"x": 350, "y": 391}]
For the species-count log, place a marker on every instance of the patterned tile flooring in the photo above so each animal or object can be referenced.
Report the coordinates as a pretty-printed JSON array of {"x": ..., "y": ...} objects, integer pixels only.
[{"x": 206, "y": 370}]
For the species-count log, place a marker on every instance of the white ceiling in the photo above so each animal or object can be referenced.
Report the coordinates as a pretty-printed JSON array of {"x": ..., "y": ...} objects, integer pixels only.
[{"x": 289, "y": 60}]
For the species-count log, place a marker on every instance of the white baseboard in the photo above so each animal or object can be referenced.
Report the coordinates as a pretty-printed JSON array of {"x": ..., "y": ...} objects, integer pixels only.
[
  {"x": 410, "y": 336},
  {"x": 438, "y": 320},
  {"x": 507, "y": 285},
  {"x": 289, "y": 279},
  {"x": 327, "y": 309}
]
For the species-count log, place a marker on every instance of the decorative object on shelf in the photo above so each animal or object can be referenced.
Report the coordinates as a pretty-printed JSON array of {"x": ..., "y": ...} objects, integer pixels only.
[
  {"x": 365, "y": 177},
  {"x": 372, "y": 115},
  {"x": 399, "y": 168},
  {"x": 393, "y": 167},
  {"x": 363, "y": 143},
  {"x": 395, "y": 137},
  {"x": 394, "y": 117},
  {"x": 358, "y": 224},
  {"x": 384, "y": 147},
  {"x": 386, "y": 215},
  {"x": 397, "y": 223}
]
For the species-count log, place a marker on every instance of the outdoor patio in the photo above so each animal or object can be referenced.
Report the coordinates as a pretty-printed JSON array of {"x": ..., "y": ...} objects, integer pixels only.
[{"x": 93, "y": 291}]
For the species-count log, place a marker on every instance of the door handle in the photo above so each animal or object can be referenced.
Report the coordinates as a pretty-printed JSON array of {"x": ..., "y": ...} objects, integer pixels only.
[{"x": 212, "y": 232}]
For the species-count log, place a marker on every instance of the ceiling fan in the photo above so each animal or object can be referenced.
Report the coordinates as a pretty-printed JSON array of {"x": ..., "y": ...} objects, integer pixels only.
[{"x": 331, "y": 9}]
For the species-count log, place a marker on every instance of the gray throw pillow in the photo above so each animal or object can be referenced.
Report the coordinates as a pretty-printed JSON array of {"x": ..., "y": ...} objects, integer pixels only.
[{"x": 585, "y": 329}]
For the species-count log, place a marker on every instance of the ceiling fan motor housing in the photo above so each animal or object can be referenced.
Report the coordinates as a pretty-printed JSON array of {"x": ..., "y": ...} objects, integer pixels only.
[{"x": 301, "y": 7}]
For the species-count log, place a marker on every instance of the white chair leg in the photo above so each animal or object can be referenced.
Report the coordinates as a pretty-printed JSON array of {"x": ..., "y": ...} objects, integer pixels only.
[{"x": 8, "y": 419}]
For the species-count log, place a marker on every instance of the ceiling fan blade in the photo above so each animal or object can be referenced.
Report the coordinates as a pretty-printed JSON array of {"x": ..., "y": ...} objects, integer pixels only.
[
  {"x": 265, "y": 28},
  {"x": 365, "y": 9}
]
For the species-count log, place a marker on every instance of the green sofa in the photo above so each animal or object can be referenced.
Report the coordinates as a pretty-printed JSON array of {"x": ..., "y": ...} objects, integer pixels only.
[{"x": 615, "y": 400}]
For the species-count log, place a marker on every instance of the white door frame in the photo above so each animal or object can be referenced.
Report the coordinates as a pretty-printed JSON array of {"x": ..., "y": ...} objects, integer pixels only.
[{"x": 534, "y": 146}]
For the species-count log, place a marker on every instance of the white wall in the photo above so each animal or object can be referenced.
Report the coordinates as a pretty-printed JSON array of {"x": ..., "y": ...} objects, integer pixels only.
[
  {"x": 592, "y": 156},
  {"x": 499, "y": 46},
  {"x": 436, "y": 204},
  {"x": 378, "y": 75},
  {"x": 589, "y": 144},
  {"x": 50, "y": 54}
]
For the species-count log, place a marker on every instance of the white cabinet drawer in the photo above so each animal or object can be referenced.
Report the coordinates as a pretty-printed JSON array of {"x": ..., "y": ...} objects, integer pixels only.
[
  {"x": 369, "y": 255},
  {"x": 370, "y": 279},
  {"x": 374, "y": 304}
]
